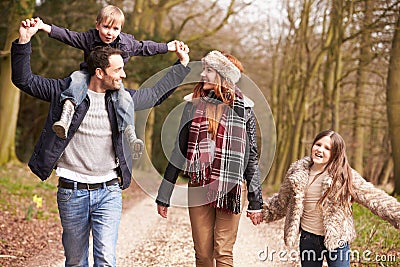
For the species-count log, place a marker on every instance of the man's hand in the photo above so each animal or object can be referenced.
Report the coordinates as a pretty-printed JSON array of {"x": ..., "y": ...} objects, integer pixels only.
[
  {"x": 182, "y": 51},
  {"x": 27, "y": 29}
]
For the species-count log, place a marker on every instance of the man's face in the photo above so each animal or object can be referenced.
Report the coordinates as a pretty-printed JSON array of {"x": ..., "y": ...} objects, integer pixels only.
[{"x": 115, "y": 73}]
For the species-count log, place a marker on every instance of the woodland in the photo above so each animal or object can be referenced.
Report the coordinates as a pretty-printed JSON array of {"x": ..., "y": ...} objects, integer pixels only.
[{"x": 317, "y": 64}]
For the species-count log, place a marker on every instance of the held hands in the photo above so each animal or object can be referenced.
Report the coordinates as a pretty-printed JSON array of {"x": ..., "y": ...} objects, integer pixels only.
[
  {"x": 172, "y": 46},
  {"x": 182, "y": 51},
  {"x": 27, "y": 29},
  {"x": 162, "y": 211},
  {"x": 43, "y": 26},
  {"x": 255, "y": 217}
]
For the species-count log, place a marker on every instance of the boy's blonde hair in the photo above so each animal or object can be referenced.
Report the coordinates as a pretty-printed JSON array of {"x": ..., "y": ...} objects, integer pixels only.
[{"x": 111, "y": 14}]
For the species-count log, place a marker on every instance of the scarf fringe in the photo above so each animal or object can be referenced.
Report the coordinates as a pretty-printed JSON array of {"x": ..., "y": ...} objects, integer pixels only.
[
  {"x": 198, "y": 174},
  {"x": 227, "y": 202}
]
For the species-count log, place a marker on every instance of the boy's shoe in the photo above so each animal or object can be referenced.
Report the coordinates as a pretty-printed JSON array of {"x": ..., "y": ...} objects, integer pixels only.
[
  {"x": 136, "y": 145},
  {"x": 61, "y": 127}
]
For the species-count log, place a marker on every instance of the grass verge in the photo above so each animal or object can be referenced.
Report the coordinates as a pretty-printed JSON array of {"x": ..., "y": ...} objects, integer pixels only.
[
  {"x": 22, "y": 194},
  {"x": 377, "y": 242}
]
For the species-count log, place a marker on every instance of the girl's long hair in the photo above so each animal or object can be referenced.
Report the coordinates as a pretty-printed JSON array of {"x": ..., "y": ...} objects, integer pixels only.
[
  {"x": 338, "y": 167},
  {"x": 224, "y": 90}
]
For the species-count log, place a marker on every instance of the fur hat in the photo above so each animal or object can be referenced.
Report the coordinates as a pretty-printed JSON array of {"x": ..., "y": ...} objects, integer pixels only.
[{"x": 222, "y": 65}]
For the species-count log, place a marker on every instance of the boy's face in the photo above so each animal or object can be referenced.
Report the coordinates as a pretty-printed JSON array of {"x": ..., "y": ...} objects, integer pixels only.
[{"x": 108, "y": 31}]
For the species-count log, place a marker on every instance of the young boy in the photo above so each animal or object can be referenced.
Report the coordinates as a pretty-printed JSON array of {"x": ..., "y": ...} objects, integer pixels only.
[{"x": 109, "y": 23}]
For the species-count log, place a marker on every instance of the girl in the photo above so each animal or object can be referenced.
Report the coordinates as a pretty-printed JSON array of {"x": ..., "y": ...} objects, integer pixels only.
[{"x": 316, "y": 197}]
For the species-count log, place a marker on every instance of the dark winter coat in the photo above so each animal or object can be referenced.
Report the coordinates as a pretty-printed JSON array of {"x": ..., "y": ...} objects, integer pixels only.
[
  {"x": 88, "y": 40},
  {"x": 49, "y": 147}
]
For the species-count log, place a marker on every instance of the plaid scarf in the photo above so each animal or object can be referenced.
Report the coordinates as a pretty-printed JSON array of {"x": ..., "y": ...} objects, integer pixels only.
[{"x": 222, "y": 172}]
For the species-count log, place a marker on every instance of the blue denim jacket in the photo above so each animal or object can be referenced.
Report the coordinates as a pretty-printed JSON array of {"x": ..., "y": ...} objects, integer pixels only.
[{"x": 49, "y": 147}]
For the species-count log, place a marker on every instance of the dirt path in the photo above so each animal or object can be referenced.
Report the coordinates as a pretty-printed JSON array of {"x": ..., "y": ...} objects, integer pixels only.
[{"x": 146, "y": 239}]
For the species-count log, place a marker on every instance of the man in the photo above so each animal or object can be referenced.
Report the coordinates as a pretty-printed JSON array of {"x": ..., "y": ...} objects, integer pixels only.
[{"x": 90, "y": 162}]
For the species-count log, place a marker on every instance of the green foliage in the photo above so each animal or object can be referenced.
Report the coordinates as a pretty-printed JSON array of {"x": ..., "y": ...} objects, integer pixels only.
[{"x": 29, "y": 212}]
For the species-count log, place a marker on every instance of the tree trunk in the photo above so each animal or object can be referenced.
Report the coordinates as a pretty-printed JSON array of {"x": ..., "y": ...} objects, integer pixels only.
[
  {"x": 393, "y": 105},
  {"x": 362, "y": 103},
  {"x": 386, "y": 170},
  {"x": 9, "y": 94}
]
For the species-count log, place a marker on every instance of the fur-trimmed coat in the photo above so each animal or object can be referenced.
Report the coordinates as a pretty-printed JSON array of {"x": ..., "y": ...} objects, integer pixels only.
[{"x": 338, "y": 225}]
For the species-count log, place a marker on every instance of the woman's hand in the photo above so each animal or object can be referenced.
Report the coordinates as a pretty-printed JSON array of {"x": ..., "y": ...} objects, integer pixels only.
[
  {"x": 255, "y": 217},
  {"x": 182, "y": 51},
  {"x": 162, "y": 211}
]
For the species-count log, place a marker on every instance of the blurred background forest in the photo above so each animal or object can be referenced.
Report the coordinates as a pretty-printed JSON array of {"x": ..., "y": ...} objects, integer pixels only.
[{"x": 319, "y": 63}]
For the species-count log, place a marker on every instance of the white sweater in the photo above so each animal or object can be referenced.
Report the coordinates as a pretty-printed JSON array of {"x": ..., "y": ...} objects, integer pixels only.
[{"x": 90, "y": 151}]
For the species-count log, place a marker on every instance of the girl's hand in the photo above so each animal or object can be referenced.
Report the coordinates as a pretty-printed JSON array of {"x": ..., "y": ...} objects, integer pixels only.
[{"x": 255, "y": 217}]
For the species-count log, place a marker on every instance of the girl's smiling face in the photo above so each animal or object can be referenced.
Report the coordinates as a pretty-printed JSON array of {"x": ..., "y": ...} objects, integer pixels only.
[{"x": 321, "y": 152}]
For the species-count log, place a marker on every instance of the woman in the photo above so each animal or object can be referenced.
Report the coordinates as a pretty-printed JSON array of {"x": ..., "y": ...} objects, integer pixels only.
[
  {"x": 216, "y": 147},
  {"x": 316, "y": 197}
]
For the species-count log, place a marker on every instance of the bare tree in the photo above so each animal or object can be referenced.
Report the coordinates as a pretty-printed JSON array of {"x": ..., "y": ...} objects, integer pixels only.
[{"x": 393, "y": 104}]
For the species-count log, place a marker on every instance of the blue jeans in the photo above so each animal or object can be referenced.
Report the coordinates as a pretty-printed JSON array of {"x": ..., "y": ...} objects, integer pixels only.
[
  {"x": 84, "y": 210},
  {"x": 77, "y": 89},
  {"x": 123, "y": 103},
  {"x": 313, "y": 251},
  {"x": 124, "y": 108}
]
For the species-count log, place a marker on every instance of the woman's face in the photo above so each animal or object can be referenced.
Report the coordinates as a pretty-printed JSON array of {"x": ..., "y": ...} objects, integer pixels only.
[
  {"x": 321, "y": 152},
  {"x": 208, "y": 77}
]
